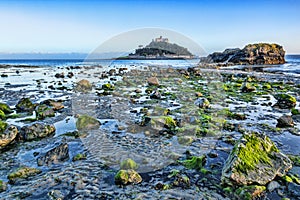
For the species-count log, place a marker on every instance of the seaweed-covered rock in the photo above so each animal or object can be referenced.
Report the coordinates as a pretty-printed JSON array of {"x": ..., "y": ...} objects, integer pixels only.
[
  {"x": 35, "y": 131},
  {"x": 249, "y": 192},
  {"x": 254, "y": 159},
  {"x": 25, "y": 105},
  {"x": 285, "y": 121},
  {"x": 55, "y": 155},
  {"x": 43, "y": 111},
  {"x": 8, "y": 135},
  {"x": 86, "y": 122},
  {"x": 129, "y": 176},
  {"x": 22, "y": 173},
  {"x": 2, "y": 186},
  {"x": 160, "y": 123},
  {"x": 2, "y": 115},
  {"x": 5, "y": 108},
  {"x": 202, "y": 103},
  {"x": 295, "y": 111},
  {"x": 247, "y": 87},
  {"x": 108, "y": 86},
  {"x": 83, "y": 86},
  {"x": 285, "y": 101}
]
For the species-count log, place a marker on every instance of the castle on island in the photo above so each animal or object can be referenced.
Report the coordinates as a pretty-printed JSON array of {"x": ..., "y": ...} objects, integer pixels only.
[{"x": 160, "y": 48}]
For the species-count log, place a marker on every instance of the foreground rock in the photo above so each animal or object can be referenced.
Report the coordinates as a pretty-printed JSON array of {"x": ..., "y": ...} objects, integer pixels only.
[
  {"x": 252, "y": 54},
  {"x": 8, "y": 135},
  {"x": 55, "y": 155},
  {"x": 124, "y": 177},
  {"x": 35, "y": 131},
  {"x": 254, "y": 159}
]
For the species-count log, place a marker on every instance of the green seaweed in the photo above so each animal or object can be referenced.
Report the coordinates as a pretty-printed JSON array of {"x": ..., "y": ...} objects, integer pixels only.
[
  {"x": 255, "y": 150},
  {"x": 295, "y": 111},
  {"x": 3, "y": 126},
  {"x": 5, "y": 108},
  {"x": 2, "y": 115},
  {"x": 249, "y": 192},
  {"x": 23, "y": 172},
  {"x": 79, "y": 157},
  {"x": 128, "y": 164},
  {"x": 195, "y": 162},
  {"x": 86, "y": 122}
]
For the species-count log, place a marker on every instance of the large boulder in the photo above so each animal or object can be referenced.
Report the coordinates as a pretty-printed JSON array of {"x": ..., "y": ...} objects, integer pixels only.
[
  {"x": 35, "y": 131},
  {"x": 8, "y": 135},
  {"x": 251, "y": 54},
  {"x": 254, "y": 160},
  {"x": 54, "y": 156}
]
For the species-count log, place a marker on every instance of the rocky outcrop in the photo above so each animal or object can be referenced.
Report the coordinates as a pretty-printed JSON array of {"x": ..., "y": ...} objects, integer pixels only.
[
  {"x": 285, "y": 101},
  {"x": 55, "y": 155},
  {"x": 251, "y": 54},
  {"x": 254, "y": 160},
  {"x": 35, "y": 131},
  {"x": 25, "y": 105}
]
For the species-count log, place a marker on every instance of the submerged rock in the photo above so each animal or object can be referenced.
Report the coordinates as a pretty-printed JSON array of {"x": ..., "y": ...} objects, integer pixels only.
[
  {"x": 2, "y": 186},
  {"x": 254, "y": 159},
  {"x": 55, "y": 155},
  {"x": 25, "y": 105},
  {"x": 130, "y": 176},
  {"x": 23, "y": 172},
  {"x": 86, "y": 122},
  {"x": 285, "y": 101},
  {"x": 8, "y": 135},
  {"x": 285, "y": 121},
  {"x": 128, "y": 164},
  {"x": 35, "y": 131}
]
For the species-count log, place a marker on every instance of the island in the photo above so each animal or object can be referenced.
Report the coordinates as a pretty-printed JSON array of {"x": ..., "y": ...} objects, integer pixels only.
[{"x": 160, "y": 49}]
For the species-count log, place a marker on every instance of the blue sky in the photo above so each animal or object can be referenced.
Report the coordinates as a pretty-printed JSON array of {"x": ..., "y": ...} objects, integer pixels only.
[{"x": 81, "y": 26}]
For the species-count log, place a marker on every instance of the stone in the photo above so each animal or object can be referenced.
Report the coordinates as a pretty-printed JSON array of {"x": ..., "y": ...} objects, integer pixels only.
[
  {"x": 22, "y": 173},
  {"x": 155, "y": 95},
  {"x": 86, "y": 122},
  {"x": 285, "y": 101},
  {"x": 153, "y": 81},
  {"x": 25, "y": 105},
  {"x": 83, "y": 86},
  {"x": 202, "y": 103},
  {"x": 35, "y": 131},
  {"x": 43, "y": 111},
  {"x": 285, "y": 121},
  {"x": 251, "y": 54},
  {"x": 249, "y": 192},
  {"x": 55, "y": 155},
  {"x": 254, "y": 160},
  {"x": 56, "y": 105},
  {"x": 5, "y": 108},
  {"x": 247, "y": 87},
  {"x": 8, "y": 135},
  {"x": 129, "y": 176},
  {"x": 108, "y": 87},
  {"x": 128, "y": 164}
]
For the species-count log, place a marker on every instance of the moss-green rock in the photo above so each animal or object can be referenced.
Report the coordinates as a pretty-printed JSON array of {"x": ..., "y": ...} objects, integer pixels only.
[
  {"x": 86, "y": 122},
  {"x": 36, "y": 131},
  {"x": 285, "y": 100},
  {"x": 254, "y": 159},
  {"x": 128, "y": 164},
  {"x": 25, "y": 105},
  {"x": 194, "y": 162},
  {"x": 3, "y": 126},
  {"x": 5, "y": 108},
  {"x": 185, "y": 140},
  {"x": 22, "y": 173},
  {"x": 44, "y": 111},
  {"x": 8, "y": 135},
  {"x": 79, "y": 157},
  {"x": 2, "y": 115},
  {"x": 108, "y": 86},
  {"x": 295, "y": 111},
  {"x": 124, "y": 177},
  {"x": 247, "y": 87}
]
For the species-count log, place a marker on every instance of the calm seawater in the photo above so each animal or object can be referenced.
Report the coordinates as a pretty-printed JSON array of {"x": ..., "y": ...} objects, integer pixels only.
[{"x": 292, "y": 65}]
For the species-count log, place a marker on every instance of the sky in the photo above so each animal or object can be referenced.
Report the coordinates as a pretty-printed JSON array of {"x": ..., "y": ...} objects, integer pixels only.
[{"x": 81, "y": 26}]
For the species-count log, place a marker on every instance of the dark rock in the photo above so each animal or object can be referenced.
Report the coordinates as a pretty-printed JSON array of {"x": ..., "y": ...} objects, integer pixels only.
[
  {"x": 247, "y": 87},
  {"x": 60, "y": 75},
  {"x": 252, "y": 54},
  {"x": 4, "y": 75},
  {"x": 35, "y": 131},
  {"x": 155, "y": 95},
  {"x": 285, "y": 121},
  {"x": 55, "y": 155},
  {"x": 2, "y": 186},
  {"x": 8, "y": 135},
  {"x": 5, "y": 108},
  {"x": 25, "y": 105},
  {"x": 254, "y": 159},
  {"x": 294, "y": 189},
  {"x": 273, "y": 185},
  {"x": 202, "y": 103}
]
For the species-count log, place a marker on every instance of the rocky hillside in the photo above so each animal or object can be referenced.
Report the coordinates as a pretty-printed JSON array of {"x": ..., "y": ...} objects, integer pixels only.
[{"x": 251, "y": 54}]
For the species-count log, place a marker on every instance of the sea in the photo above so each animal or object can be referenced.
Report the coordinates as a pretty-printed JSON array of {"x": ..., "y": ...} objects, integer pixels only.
[{"x": 291, "y": 67}]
